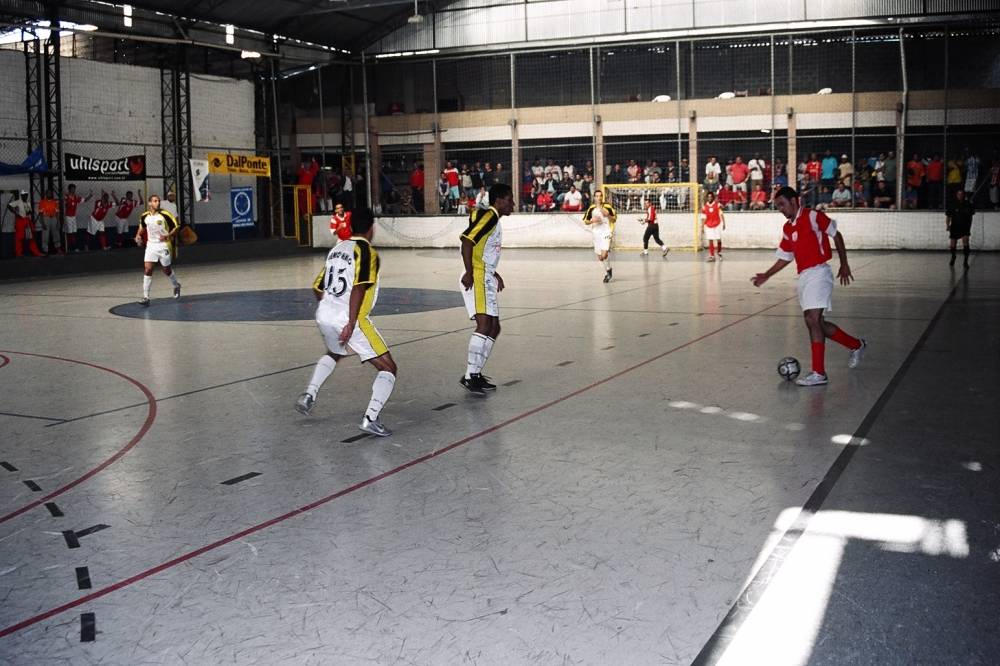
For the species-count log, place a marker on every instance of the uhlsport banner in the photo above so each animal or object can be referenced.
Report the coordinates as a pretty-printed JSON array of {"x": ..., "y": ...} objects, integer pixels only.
[
  {"x": 199, "y": 178},
  {"x": 81, "y": 167},
  {"x": 245, "y": 165}
]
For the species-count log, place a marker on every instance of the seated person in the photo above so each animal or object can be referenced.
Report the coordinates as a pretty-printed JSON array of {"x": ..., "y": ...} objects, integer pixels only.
[
  {"x": 758, "y": 198},
  {"x": 726, "y": 197},
  {"x": 841, "y": 197},
  {"x": 544, "y": 201},
  {"x": 573, "y": 200},
  {"x": 825, "y": 196},
  {"x": 910, "y": 198},
  {"x": 860, "y": 196},
  {"x": 883, "y": 197}
]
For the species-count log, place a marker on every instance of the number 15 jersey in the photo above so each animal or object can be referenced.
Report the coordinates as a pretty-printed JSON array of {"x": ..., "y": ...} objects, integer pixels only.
[{"x": 351, "y": 262}]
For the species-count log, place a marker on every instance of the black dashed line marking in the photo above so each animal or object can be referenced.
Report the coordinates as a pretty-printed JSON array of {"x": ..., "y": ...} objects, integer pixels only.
[{"x": 238, "y": 479}]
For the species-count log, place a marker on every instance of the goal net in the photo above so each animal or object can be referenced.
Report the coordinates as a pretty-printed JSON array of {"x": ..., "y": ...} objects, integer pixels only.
[{"x": 677, "y": 209}]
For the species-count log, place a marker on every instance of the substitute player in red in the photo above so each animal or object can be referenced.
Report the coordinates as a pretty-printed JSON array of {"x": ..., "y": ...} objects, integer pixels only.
[
  {"x": 340, "y": 223},
  {"x": 96, "y": 225},
  {"x": 714, "y": 222},
  {"x": 806, "y": 240},
  {"x": 122, "y": 214},
  {"x": 71, "y": 202}
]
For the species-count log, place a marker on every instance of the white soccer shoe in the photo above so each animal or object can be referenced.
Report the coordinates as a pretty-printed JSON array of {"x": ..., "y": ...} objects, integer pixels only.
[
  {"x": 857, "y": 354},
  {"x": 665, "y": 250},
  {"x": 812, "y": 379},
  {"x": 304, "y": 404},
  {"x": 645, "y": 252},
  {"x": 373, "y": 427}
]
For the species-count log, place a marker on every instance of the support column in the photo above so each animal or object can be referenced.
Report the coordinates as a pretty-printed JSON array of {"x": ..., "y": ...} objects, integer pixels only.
[
  {"x": 175, "y": 119},
  {"x": 693, "y": 145},
  {"x": 432, "y": 174},
  {"x": 516, "y": 168},
  {"x": 375, "y": 171},
  {"x": 792, "y": 167},
  {"x": 598, "y": 152}
]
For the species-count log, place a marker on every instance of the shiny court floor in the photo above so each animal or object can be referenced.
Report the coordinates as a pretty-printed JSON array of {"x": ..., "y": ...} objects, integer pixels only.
[{"x": 642, "y": 489}]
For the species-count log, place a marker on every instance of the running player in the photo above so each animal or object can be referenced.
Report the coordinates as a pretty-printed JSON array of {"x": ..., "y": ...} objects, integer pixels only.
[
  {"x": 714, "y": 222},
  {"x": 96, "y": 225},
  {"x": 806, "y": 240},
  {"x": 340, "y": 222},
  {"x": 122, "y": 214},
  {"x": 161, "y": 227},
  {"x": 71, "y": 202},
  {"x": 652, "y": 228},
  {"x": 481, "y": 283},
  {"x": 601, "y": 218},
  {"x": 347, "y": 289}
]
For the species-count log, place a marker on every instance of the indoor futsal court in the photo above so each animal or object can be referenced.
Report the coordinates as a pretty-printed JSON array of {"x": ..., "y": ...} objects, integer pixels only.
[{"x": 643, "y": 488}]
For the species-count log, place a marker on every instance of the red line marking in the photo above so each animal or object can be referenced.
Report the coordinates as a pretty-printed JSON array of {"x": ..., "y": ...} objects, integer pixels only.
[
  {"x": 150, "y": 417},
  {"x": 358, "y": 486}
]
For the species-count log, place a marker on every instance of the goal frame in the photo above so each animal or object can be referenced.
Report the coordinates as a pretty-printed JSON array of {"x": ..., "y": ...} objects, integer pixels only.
[{"x": 643, "y": 190}]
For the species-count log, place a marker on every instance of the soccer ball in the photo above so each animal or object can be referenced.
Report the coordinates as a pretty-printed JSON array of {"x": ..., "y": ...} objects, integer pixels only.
[{"x": 789, "y": 368}]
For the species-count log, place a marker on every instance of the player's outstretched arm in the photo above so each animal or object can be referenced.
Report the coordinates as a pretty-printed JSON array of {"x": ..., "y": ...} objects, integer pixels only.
[
  {"x": 844, "y": 274},
  {"x": 760, "y": 278}
]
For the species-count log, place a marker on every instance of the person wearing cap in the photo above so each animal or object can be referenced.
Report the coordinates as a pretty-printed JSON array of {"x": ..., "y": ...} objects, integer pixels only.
[
  {"x": 21, "y": 208},
  {"x": 845, "y": 171}
]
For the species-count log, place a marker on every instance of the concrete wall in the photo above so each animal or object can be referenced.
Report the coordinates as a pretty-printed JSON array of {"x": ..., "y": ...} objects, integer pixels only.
[{"x": 862, "y": 230}]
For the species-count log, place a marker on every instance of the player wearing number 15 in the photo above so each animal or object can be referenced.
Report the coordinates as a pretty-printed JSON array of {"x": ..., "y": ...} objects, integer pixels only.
[{"x": 347, "y": 289}]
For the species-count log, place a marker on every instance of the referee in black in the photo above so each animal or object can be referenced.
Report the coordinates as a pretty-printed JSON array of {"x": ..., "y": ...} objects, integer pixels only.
[{"x": 958, "y": 222}]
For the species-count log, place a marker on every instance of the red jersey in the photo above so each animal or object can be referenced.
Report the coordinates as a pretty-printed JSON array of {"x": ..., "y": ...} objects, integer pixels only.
[
  {"x": 650, "y": 214},
  {"x": 935, "y": 171},
  {"x": 101, "y": 209},
  {"x": 712, "y": 211},
  {"x": 341, "y": 225},
  {"x": 452, "y": 175},
  {"x": 72, "y": 201},
  {"x": 739, "y": 172},
  {"x": 806, "y": 240},
  {"x": 125, "y": 208},
  {"x": 814, "y": 169}
]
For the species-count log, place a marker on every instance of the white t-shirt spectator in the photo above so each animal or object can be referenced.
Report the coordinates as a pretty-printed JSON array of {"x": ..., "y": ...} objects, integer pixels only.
[
  {"x": 568, "y": 171},
  {"x": 573, "y": 199},
  {"x": 20, "y": 208},
  {"x": 841, "y": 197},
  {"x": 553, "y": 171},
  {"x": 713, "y": 171},
  {"x": 482, "y": 200},
  {"x": 756, "y": 169},
  {"x": 538, "y": 171}
]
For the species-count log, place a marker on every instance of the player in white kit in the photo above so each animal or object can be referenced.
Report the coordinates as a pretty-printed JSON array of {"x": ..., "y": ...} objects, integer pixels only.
[
  {"x": 347, "y": 289},
  {"x": 601, "y": 218},
  {"x": 157, "y": 230}
]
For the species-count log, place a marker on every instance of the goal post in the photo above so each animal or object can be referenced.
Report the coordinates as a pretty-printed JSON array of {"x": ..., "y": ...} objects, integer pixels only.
[{"x": 676, "y": 203}]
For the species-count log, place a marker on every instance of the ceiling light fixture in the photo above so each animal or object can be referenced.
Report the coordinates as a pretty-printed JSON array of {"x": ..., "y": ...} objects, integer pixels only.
[{"x": 416, "y": 18}]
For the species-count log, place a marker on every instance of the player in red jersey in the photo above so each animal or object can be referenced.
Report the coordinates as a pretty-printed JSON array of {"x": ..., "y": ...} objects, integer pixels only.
[
  {"x": 806, "y": 241},
  {"x": 122, "y": 214},
  {"x": 652, "y": 228},
  {"x": 340, "y": 223},
  {"x": 96, "y": 225},
  {"x": 71, "y": 202},
  {"x": 714, "y": 222}
]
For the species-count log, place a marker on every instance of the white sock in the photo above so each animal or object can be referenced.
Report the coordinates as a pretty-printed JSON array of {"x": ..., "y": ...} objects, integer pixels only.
[
  {"x": 607, "y": 264},
  {"x": 173, "y": 278},
  {"x": 477, "y": 344},
  {"x": 381, "y": 390},
  {"x": 324, "y": 368},
  {"x": 147, "y": 280},
  {"x": 487, "y": 349}
]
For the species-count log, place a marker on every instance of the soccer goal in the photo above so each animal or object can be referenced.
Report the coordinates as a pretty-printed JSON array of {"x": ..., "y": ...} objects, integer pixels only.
[{"x": 676, "y": 203}]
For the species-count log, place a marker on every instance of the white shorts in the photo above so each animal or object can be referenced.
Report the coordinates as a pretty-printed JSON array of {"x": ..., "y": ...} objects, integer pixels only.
[
  {"x": 482, "y": 298},
  {"x": 70, "y": 226},
  {"x": 602, "y": 238},
  {"x": 122, "y": 224},
  {"x": 157, "y": 253},
  {"x": 816, "y": 288},
  {"x": 713, "y": 233},
  {"x": 95, "y": 226},
  {"x": 365, "y": 340}
]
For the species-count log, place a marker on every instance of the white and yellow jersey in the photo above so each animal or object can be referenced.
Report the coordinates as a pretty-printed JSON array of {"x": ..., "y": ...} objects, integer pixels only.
[
  {"x": 156, "y": 225},
  {"x": 607, "y": 212},
  {"x": 486, "y": 238},
  {"x": 351, "y": 262}
]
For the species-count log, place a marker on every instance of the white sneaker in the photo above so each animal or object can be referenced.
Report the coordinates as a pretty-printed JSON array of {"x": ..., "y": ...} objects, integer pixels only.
[
  {"x": 711, "y": 258},
  {"x": 856, "y": 354},
  {"x": 665, "y": 250},
  {"x": 645, "y": 252},
  {"x": 812, "y": 379},
  {"x": 177, "y": 290},
  {"x": 373, "y": 427},
  {"x": 304, "y": 404},
  {"x": 719, "y": 256}
]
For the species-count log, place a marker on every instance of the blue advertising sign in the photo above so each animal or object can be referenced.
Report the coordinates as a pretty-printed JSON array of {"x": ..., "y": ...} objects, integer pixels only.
[{"x": 241, "y": 204}]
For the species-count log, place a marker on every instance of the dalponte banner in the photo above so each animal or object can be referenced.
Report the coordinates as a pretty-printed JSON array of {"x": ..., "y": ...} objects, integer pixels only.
[
  {"x": 81, "y": 167},
  {"x": 246, "y": 165}
]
